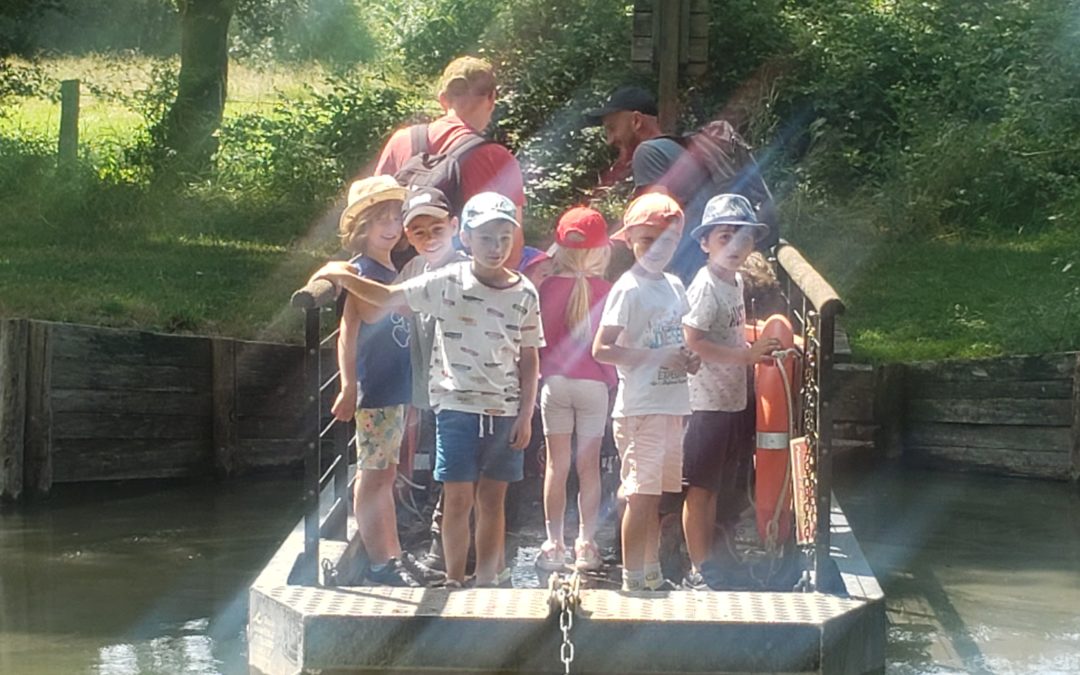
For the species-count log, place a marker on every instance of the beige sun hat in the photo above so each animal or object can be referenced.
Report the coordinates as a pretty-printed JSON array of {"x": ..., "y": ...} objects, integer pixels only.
[{"x": 366, "y": 192}]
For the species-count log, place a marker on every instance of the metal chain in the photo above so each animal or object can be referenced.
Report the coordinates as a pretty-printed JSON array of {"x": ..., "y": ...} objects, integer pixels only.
[{"x": 565, "y": 597}]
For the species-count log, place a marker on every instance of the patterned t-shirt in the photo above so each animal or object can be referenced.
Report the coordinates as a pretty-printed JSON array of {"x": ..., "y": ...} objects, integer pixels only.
[
  {"x": 479, "y": 334},
  {"x": 717, "y": 309},
  {"x": 650, "y": 313}
]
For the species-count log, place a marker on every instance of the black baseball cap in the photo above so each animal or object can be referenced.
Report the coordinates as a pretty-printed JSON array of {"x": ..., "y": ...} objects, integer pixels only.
[
  {"x": 424, "y": 201},
  {"x": 634, "y": 99}
]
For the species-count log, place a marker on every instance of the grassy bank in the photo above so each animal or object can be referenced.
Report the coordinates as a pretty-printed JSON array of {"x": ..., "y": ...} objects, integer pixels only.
[{"x": 100, "y": 244}]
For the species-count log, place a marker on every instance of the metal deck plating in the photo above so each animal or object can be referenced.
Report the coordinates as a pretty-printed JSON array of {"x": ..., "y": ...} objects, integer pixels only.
[{"x": 310, "y": 629}]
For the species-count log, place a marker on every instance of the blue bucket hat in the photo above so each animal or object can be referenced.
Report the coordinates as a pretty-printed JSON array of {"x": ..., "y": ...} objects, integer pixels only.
[{"x": 729, "y": 209}]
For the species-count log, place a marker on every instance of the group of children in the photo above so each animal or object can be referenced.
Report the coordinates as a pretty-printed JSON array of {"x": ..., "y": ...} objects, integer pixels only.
[{"x": 470, "y": 340}]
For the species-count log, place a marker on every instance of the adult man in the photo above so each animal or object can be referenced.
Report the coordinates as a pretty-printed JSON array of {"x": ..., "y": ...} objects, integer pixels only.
[
  {"x": 629, "y": 118},
  {"x": 467, "y": 91}
]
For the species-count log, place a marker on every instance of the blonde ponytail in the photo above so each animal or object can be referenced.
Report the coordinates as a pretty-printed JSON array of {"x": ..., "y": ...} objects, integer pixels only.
[{"x": 582, "y": 263}]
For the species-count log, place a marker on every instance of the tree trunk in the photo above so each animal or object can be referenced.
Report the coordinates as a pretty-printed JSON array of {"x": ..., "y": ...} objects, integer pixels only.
[{"x": 190, "y": 125}]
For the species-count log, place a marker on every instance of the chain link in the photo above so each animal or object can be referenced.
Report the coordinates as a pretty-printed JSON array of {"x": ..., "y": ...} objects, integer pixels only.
[{"x": 564, "y": 598}]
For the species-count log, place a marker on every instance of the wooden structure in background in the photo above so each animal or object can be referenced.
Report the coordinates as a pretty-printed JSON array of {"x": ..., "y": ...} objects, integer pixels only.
[
  {"x": 68, "y": 145},
  {"x": 81, "y": 403},
  {"x": 1016, "y": 415},
  {"x": 670, "y": 37}
]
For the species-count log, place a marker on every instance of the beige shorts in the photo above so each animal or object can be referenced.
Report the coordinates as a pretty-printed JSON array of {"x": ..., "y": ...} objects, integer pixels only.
[
  {"x": 378, "y": 436},
  {"x": 568, "y": 405},
  {"x": 650, "y": 448}
]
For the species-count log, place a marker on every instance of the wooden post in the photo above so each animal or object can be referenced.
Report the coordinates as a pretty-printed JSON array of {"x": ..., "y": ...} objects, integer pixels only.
[
  {"x": 670, "y": 13},
  {"x": 69, "y": 122},
  {"x": 889, "y": 410},
  {"x": 226, "y": 432},
  {"x": 13, "y": 344},
  {"x": 37, "y": 446},
  {"x": 1075, "y": 470}
]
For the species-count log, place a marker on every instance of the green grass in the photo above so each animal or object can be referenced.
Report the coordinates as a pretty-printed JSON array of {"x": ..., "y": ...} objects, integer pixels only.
[
  {"x": 951, "y": 297},
  {"x": 213, "y": 259}
]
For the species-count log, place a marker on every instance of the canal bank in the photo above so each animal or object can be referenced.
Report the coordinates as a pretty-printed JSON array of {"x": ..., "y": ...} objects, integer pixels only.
[{"x": 980, "y": 573}]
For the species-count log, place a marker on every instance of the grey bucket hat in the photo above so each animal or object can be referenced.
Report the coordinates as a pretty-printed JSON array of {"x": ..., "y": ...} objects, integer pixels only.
[{"x": 729, "y": 209}]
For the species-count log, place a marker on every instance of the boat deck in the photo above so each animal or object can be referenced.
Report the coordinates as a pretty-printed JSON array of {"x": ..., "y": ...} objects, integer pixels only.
[{"x": 362, "y": 629}]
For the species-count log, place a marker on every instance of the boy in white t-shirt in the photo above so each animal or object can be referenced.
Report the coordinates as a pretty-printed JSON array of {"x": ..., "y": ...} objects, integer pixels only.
[
  {"x": 641, "y": 335},
  {"x": 484, "y": 371},
  {"x": 720, "y": 423}
]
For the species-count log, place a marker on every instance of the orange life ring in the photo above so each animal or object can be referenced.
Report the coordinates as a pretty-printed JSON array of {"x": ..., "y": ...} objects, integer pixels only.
[{"x": 772, "y": 481}]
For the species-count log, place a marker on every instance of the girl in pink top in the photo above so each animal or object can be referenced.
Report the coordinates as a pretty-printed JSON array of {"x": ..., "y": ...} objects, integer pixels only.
[{"x": 574, "y": 397}]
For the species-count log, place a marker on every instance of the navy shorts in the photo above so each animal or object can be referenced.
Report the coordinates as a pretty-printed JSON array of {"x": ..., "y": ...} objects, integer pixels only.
[
  {"x": 468, "y": 445},
  {"x": 713, "y": 444}
]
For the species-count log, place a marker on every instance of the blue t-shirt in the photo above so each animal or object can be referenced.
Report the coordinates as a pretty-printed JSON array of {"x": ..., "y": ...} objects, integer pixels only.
[{"x": 382, "y": 350}]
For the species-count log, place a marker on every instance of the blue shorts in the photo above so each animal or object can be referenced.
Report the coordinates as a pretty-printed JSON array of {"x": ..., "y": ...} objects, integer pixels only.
[{"x": 468, "y": 445}]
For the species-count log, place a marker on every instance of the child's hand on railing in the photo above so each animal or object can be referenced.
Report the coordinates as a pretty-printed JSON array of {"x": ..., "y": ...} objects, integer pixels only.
[{"x": 334, "y": 270}]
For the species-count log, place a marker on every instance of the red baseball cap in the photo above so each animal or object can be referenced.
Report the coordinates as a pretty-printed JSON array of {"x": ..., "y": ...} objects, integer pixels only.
[{"x": 581, "y": 227}]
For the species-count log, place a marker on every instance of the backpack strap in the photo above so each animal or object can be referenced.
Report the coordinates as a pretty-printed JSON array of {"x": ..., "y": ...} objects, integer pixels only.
[
  {"x": 465, "y": 145},
  {"x": 418, "y": 139}
]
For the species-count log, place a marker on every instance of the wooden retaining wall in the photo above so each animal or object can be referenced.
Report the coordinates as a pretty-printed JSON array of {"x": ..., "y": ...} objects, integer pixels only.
[
  {"x": 1014, "y": 415},
  {"x": 79, "y": 403}
]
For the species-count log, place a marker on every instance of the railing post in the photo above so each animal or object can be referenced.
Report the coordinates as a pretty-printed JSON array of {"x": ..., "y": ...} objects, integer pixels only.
[
  {"x": 825, "y": 433},
  {"x": 313, "y": 380}
]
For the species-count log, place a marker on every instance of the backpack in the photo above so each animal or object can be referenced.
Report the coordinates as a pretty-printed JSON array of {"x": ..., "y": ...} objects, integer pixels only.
[
  {"x": 727, "y": 159},
  {"x": 442, "y": 171}
]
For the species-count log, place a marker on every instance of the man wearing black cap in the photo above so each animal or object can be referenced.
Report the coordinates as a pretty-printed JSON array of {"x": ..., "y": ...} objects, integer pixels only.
[{"x": 629, "y": 118}]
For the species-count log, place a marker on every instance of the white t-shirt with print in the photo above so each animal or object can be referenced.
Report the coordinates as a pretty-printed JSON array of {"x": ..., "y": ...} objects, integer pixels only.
[
  {"x": 479, "y": 334},
  {"x": 717, "y": 308},
  {"x": 650, "y": 313}
]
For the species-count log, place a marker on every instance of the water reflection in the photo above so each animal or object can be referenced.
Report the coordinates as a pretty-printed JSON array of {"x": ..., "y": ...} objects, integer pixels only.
[
  {"x": 982, "y": 574},
  {"x": 136, "y": 578}
]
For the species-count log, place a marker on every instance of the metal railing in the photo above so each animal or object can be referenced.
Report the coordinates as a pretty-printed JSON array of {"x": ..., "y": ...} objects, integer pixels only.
[
  {"x": 320, "y": 468},
  {"x": 813, "y": 306}
]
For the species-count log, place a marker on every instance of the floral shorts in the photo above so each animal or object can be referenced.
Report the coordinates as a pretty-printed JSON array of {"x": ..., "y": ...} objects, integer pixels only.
[{"x": 378, "y": 436}]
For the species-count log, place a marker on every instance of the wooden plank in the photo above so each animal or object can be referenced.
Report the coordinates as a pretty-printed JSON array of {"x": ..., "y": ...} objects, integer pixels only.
[
  {"x": 852, "y": 390},
  {"x": 991, "y": 436},
  {"x": 225, "y": 414},
  {"x": 699, "y": 25},
  {"x": 78, "y": 460},
  {"x": 271, "y": 453},
  {"x": 889, "y": 408},
  {"x": 131, "y": 426},
  {"x": 920, "y": 385},
  {"x": 855, "y": 431},
  {"x": 643, "y": 24},
  {"x": 101, "y": 376},
  {"x": 700, "y": 6},
  {"x": 698, "y": 50},
  {"x": 667, "y": 49},
  {"x": 278, "y": 426},
  {"x": 1028, "y": 464},
  {"x": 641, "y": 50},
  {"x": 37, "y": 445},
  {"x": 108, "y": 345},
  {"x": 1006, "y": 411},
  {"x": 1022, "y": 368},
  {"x": 120, "y": 401},
  {"x": 1075, "y": 464},
  {"x": 14, "y": 342}
]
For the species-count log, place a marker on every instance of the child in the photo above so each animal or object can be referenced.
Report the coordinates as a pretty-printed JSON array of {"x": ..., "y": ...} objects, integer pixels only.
[
  {"x": 574, "y": 396},
  {"x": 641, "y": 334},
  {"x": 430, "y": 229},
  {"x": 484, "y": 370},
  {"x": 373, "y": 358},
  {"x": 719, "y": 426}
]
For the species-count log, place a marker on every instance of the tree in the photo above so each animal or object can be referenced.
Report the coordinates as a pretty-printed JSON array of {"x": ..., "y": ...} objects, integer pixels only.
[{"x": 188, "y": 131}]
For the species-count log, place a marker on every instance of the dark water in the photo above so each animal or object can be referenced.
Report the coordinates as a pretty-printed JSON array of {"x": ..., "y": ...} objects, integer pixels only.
[
  {"x": 119, "y": 580},
  {"x": 982, "y": 574}
]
